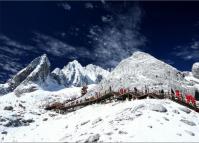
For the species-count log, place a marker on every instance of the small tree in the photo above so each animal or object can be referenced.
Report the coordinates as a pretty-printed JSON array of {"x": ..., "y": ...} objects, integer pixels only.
[{"x": 84, "y": 90}]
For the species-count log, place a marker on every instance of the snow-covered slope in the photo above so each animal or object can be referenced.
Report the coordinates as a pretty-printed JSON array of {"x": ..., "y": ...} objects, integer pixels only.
[
  {"x": 23, "y": 118},
  {"x": 143, "y": 70},
  {"x": 74, "y": 74},
  {"x": 146, "y": 120}
]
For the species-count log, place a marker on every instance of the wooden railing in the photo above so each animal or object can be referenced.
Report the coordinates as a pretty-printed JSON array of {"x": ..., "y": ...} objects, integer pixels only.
[{"x": 111, "y": 95}]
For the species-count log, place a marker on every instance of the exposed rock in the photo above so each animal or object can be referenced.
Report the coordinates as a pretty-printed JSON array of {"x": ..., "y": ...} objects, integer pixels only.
[
  {"x": 28, "y": 120},
  {"x": 2, "y": 119},
  {"x": 36, "y": 72},
  {"x": 158, "y": 108},
  {"x": 58, "y": 75},
  {"x": 83, "y": 123},
  {"x": 93, "y": 138},
  {"x": 4, "y": 132},
  {"x": 45, "y": 119},
  {"x": 17, "y": 122},
  {"x": 122, "y": 132},
  {"x": 8, "y": 108},
  {"x": 195, "y": 70},
  {"x": 186, "y": 110},
  {"x": 13, "y": 123},
  {"x": 97, "y": 120}
]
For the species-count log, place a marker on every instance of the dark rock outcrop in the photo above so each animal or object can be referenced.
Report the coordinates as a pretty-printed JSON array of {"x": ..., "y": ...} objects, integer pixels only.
[{"x": 8, "y": 108}]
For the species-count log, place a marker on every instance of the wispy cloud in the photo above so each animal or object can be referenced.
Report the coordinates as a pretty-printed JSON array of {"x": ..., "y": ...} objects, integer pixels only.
[
  {"x": 188, "y": 52},
  {"x": 119, "y": 39},
  {"x": 14, "y": 44},
  {"x": 53, "y": 45},
  {"x": 89, "y": 5},
  {"x": 66, "y": 6}
]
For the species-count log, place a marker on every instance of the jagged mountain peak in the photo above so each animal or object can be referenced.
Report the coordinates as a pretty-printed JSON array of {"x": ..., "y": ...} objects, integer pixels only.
[
  {"x": 143, "y": 70},
  {"x": 74, "y": 63},
  {"x": 74, "y": 74},
  {"x": 36, "y": 72}
]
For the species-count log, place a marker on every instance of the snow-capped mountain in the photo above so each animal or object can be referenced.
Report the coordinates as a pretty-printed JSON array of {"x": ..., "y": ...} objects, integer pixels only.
[
  {"x": 193, "y": 76},
  {"x": 142, "y": 70},
  {"x": 23, "y": 118},
  {"x": 37, "y": 75},
  {"x": 74, "y": 74}
]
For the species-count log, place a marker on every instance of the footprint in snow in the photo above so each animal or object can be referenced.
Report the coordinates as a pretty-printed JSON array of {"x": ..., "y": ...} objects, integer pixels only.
[
  {"x": 165, "y": 118},
  {"x": 179, "y": 134},
  {"x": 96, "y": 121},
  {"x": 150, "y": 126},
  {"x": 190, "y": 133},
  {"x": 83, "y": 123},
  {"x": 109, "y": 133},
  {"x": 190, "y": 123}
]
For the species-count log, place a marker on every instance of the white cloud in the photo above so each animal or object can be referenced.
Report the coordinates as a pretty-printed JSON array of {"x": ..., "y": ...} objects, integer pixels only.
[
  {"x": 9, "y": 42},
  {"x": 119, "y": 39},
  {"x": 188, "y": 52},
  {"x": 66, "y": 6},
  {"x": 107, "y": 18},
  {"x": 53, "y": 45},
  {"x": 195, "y": 45}
]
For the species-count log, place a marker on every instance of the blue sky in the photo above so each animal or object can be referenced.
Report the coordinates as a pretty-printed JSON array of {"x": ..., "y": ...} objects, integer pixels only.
[{"x": 101, "y": 33}]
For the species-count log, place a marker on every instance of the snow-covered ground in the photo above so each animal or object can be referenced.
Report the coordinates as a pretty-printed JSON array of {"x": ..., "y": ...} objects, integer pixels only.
[
  {"x": 23, "y": 118},
  {"x": 146, "y": 120}
]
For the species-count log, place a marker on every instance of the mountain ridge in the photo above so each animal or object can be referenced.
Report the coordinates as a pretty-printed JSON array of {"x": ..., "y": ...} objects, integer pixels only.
[{"x": 37, "y": 75}]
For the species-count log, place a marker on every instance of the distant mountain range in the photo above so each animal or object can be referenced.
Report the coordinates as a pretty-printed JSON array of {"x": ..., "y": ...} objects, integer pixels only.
[
  {"x": 37, "y": 75},
  {"x": 141, "y": 70}
]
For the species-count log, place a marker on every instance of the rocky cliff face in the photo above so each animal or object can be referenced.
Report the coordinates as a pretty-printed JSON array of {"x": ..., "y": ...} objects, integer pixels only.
[
  {"x": 36, "y": 72},
  {"x": 74, "y": 74},
  {"x": 143, "y": 70},
  {"x": 37, "y": 75}
]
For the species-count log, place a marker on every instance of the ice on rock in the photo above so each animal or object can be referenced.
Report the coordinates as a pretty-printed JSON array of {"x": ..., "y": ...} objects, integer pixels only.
[{"x": 195, "y": 70}]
